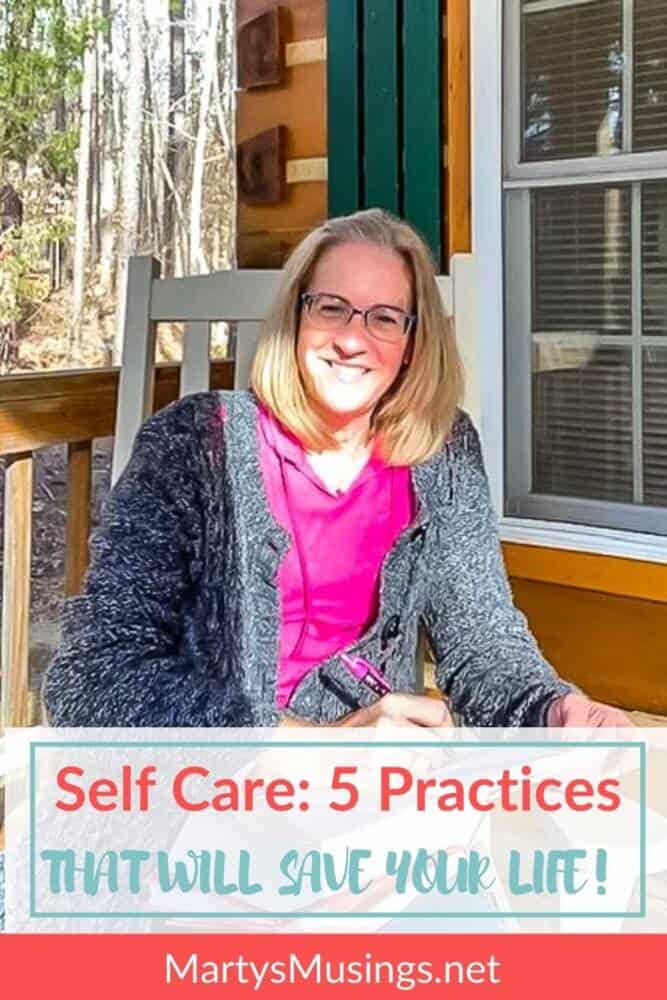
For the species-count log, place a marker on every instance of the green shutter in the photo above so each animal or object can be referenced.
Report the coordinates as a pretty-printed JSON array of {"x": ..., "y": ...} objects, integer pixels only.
[
  {"x": 422, "y": 117},
  {"x": 343, "y": 102},
  {"x": 381, "y": 105},
  {"x": 384, "y": 80}
]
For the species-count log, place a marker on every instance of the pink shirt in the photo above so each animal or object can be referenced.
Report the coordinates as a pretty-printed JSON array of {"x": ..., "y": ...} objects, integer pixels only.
[{"x": 329, "y": 579}]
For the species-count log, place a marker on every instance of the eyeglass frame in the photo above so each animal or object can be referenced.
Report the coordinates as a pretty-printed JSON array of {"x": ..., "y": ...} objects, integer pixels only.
[{"x": 307, "y": 298}]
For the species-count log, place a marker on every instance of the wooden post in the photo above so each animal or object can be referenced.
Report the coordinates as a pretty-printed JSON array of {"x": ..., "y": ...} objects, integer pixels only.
[
  {"x": 79, "y": 476},
  {"x": 16, "y": 698},
  {"x": 458, "y": 126},
  {"x": 135, "y": 388}
]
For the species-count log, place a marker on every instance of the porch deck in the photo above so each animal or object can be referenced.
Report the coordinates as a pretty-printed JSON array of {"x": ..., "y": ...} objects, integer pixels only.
[
  {"x": 76, "y": 410},
  {"x": 72, "y": 410}
]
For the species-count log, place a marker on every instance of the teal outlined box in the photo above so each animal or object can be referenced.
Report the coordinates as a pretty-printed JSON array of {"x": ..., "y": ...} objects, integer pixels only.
[{"x": 301, "y": 744}]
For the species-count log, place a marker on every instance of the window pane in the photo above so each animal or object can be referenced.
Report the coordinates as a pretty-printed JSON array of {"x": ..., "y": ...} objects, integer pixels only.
[
  {"x": 655, "y": 426},
  {"x": 650, "y": 75},
  {"x": 572, "y": 64},
  {"x": 582, "y": 259},
  {"x": 654, "y": 258},
  {"x": 582, "y": 421}
]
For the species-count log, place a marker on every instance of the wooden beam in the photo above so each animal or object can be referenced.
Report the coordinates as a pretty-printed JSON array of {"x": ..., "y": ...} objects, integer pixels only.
[
  {"x": 307, "y": 51},
  {"x": 313, "y": 168},
  {"x": 459, "y": 239},
  {"x": 612, "y": 647},
  {"x": 37, "y": 411},
  {"x": 16, "y": 699},
  {"x": 587, "y": 571},
  {"x": 77, "y": 531}
]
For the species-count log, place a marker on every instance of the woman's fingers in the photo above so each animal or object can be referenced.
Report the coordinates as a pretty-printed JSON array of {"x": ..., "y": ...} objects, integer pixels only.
[
  {"x": 577, "y": 710},
  {"x": 398, "y": 709}
]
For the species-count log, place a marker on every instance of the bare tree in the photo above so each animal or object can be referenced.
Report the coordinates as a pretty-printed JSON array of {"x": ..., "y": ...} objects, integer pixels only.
[
  {"x": 175, "y": 139},
  {"x": 107, "y": 151},
  {"x": 132, "y": 146},
  {"x": 198, "y": 264},
  {"x": 81, "y": 241},
  {"x": 224, "y": 95},
  {"x": 147, "y": 112}
]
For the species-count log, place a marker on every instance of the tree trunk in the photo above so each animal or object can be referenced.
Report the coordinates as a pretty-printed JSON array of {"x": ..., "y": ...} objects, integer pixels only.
[
  {"x": 131, "y": 155},
  {"x": 224, "y": 89},
  {"x": 198, "y": 263},
  {"x": 172, "y": 225},
  {"x": 82, "y": 192},
  {"x": 108, "y": 193},
  {"x": 107, "y": 178}
]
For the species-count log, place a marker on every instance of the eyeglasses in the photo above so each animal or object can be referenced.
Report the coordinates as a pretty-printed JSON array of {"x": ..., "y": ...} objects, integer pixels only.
[{"x": 388, "y": 323}]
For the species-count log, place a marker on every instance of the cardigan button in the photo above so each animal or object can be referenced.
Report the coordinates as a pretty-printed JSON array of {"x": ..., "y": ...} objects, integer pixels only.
[
  {"x": 418, "y": 534},
  {"x": 391, "y": 629}
]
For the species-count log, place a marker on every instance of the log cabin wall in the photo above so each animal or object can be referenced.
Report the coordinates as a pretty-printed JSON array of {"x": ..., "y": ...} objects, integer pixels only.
[
  {"x": 601, "y": 621},
  {"x": 267, "y": 231},
  {"x": 348, "y": 108}
]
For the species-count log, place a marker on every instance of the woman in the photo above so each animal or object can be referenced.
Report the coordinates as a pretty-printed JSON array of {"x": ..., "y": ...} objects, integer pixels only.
[{"x": 255, "y": 536}]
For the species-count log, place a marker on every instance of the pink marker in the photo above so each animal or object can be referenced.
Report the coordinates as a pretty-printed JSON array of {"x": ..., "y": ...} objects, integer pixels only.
[{"x": 366, "y": 674}]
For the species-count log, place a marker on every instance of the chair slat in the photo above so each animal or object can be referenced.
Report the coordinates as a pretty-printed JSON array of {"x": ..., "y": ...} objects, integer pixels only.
[
  {"x": 16, "y": 699},
  {"x": 247, "y": 338},
  {"x": 196, "y": 366},
  {"x": 225, "y": 295},
  {"x": 79, "y": 480}
]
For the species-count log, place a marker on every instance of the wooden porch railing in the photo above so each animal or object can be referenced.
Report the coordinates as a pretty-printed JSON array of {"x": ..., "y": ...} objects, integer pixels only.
[{"x": 37, "y": 411}]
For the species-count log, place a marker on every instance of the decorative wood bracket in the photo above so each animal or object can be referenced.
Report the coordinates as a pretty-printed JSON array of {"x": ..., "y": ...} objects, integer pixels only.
[
  {"x": 260, "y": 51},
  {"x": 261, "y": 167}
]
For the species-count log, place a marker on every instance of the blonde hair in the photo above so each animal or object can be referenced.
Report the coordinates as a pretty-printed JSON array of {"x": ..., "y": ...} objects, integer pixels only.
[{"x": 415, "y": 416}]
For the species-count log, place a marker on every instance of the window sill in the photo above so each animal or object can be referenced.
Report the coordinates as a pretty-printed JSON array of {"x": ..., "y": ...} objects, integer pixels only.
[{"x": 581, "y": 538}]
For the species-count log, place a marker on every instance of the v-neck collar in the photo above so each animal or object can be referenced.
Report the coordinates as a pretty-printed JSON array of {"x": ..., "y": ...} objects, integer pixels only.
[
  {"x": 433, "y": 480},
  {"x": 286, "y": 444}
]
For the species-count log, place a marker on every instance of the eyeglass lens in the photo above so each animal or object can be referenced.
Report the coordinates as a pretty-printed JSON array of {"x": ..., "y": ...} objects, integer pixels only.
[{"x": 383, "y": 322}]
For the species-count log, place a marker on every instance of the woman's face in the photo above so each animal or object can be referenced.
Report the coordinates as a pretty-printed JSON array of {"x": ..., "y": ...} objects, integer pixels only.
[{"x": 347, "y": 370}]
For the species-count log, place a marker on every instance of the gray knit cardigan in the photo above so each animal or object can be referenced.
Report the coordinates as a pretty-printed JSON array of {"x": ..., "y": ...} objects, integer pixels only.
[{"x": 178, "y": 623}]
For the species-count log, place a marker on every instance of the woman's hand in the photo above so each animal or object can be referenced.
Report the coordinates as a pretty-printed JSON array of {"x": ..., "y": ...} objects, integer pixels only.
[
  {"x": 398, "y": 709},
  {"x": 576, "y": 710},
  {"x": 416, "y": 712}
]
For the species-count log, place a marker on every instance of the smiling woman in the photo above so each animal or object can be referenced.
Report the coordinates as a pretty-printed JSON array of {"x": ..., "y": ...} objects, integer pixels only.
[
  {"x": 255, "y": 537},
  {"x": 350, "y": 355}
]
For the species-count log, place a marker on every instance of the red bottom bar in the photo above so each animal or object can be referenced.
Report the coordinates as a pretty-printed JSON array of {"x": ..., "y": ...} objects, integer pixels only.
[{"x": 461, "y": 965}]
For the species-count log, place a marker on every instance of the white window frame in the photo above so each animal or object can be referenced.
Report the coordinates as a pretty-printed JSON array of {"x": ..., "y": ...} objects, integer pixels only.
[{"x": 486, "y": 67}]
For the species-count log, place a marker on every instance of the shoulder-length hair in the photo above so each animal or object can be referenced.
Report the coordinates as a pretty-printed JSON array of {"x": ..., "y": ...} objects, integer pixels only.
[{"x": 413, "y": 419}]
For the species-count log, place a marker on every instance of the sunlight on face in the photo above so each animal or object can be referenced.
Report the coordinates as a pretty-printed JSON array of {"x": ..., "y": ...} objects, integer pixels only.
[{"x": 346, "y": 371}]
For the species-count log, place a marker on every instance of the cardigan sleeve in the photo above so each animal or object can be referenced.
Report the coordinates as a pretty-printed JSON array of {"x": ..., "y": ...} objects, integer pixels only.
[
  {"x": 487, "y": 661},
  {"x": 122, "y": 659}
]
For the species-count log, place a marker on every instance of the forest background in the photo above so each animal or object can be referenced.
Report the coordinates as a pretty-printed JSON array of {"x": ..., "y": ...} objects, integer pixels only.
[{"x": 116, "y": 138}]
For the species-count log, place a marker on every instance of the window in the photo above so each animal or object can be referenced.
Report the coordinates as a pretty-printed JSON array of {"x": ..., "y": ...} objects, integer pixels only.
[{"x": 585, "y": 189}]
